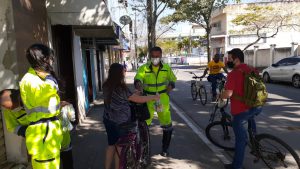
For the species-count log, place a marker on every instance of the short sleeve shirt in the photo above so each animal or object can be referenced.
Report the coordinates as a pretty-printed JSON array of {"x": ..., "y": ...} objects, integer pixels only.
[
  {"x": 215, "y": 68},
  {"x": 235, "y": 82},
  {"x": 118, "y": 110}
]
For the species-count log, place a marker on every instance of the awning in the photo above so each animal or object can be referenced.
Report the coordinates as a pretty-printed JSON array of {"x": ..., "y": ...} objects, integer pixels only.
[
  {"x": 78, "y": 12},
  {"x": 95, "y": 31}
]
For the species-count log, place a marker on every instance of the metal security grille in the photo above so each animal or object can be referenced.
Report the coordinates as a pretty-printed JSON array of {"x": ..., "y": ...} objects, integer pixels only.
[{"x": 2, "y": 144}]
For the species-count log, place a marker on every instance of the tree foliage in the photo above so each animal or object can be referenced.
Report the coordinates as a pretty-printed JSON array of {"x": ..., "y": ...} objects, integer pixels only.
[
  {"x": 264, "y": 21},
  {"x": 194, "y": 11}
]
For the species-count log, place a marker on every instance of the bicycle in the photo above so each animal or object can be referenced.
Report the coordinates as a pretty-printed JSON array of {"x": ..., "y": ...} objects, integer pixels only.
[
  {"x": 135, "y": 147},
  {"x": 266, "y": 147},
  {"x": 220, "y": 103},
  {"x": 198, "y": 88}
]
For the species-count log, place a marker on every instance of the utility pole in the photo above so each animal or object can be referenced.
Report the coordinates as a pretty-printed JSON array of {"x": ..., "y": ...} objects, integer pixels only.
[
  {"x": 135, "y": 40},
  {"x": 135, "y": 37}
]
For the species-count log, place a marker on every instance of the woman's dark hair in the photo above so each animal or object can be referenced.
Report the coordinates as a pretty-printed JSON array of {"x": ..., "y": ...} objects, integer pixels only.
[
  {"x": 237, "y": 53},
  {"x": 115, "y": 79},
  {"x": 39, "y": 56}
]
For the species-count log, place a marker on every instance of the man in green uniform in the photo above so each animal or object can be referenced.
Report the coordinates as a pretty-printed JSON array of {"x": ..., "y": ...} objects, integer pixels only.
[{"x": 158, "y": 78}]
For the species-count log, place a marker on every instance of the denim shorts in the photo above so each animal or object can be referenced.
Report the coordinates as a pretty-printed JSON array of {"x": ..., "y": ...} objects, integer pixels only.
[{"x": 114, "y": 131}]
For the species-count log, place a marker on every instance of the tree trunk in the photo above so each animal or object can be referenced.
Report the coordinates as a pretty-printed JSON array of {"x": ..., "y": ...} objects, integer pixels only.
[
  {"x": 150, "y": 23},
  {"x": 208, "y": 44}
]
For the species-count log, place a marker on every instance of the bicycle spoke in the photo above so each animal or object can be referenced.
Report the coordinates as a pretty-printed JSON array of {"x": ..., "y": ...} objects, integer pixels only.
[
  {"x": 221, "y": 135},
  {"x": 277, "y": 154}
]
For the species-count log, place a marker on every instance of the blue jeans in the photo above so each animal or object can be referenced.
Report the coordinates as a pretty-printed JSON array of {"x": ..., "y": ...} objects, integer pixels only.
[
  {"x": 213, "y": 79},
  {"x": 241, "y": 134}
]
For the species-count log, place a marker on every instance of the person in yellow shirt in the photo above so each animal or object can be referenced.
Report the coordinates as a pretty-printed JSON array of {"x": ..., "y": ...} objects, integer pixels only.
[
  {"x": 214, "y": 67},
  {"x": 13, "y": 111}
]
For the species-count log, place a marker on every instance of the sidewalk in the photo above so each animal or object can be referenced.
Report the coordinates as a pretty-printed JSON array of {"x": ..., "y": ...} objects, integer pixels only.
[{"x": 187, "y": 151}]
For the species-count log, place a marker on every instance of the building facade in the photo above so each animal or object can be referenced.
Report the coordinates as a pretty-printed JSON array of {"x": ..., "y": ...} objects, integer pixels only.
[
  {"x": 224, "y": 36},
  {"x": 83, "y": 35}
]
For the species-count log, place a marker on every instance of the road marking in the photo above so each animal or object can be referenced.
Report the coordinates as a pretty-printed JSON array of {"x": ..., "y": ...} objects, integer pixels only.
[{"x": 200, "y": 133}]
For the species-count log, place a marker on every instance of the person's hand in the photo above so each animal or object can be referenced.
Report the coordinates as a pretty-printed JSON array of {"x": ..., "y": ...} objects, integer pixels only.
[
  {"x": 156, "y": 97},
  {"x": 64, "y": 103},
  {"x": 169, "y": 88},
  {"x": 138, "y": 86},
  {"x": 137, "y": 92}
]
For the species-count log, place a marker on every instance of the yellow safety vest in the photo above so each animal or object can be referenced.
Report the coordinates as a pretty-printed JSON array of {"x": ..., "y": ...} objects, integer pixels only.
[
  {"x": 155, "y": 82},
  {"x": 14, "y": 120},
  {"x": 42, "y": 105}
]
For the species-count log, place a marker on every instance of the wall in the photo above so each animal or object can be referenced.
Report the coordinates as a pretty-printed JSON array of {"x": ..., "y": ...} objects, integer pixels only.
[
  {"x": 22, "y": 23},
  {"x": 30, "y": 21},
  {"x": 78, "y": 67},
  {"x": 263, "y": 56}
]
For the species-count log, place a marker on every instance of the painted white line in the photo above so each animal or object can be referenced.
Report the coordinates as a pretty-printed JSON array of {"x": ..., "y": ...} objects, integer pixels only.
[{"x": 200, "y": 134}]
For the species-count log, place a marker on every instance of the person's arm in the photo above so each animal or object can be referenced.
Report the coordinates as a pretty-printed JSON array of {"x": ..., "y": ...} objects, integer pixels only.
[
  {"x": 229, "y": 87},
  {"x": 138, "y": 79},
  {"x": 172, "y": 79},
  {"x": 205, "y": 72},
  {"x": 225, "y": 70},
  {"x": 142, "y": 99},
  {"x": 12, "y": 125},
  {"x": 226, "y": 94}
]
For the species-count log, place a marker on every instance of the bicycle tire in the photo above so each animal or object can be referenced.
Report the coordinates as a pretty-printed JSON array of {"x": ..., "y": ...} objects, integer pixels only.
[
  {"x": 224, "y": 131},
  {"x": 145, "y": 144},
  {"x": 203, "y": 95},
  {"x": 270, "y": 152},
  {"x": 128, "y": 160},
  {"x": 194, "y": 91}
]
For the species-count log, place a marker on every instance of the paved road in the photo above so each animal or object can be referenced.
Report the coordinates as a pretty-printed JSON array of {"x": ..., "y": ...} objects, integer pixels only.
[
  {"x": 187, "y": 150},
  {"x": 281, "y": 116}
]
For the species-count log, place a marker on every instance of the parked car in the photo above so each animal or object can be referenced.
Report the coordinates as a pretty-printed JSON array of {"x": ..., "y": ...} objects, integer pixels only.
[{"x": 287, "y": 70}]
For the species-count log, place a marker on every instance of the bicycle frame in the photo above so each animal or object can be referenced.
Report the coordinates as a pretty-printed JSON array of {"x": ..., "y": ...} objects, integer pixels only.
[{"x": 132, "y": 140}]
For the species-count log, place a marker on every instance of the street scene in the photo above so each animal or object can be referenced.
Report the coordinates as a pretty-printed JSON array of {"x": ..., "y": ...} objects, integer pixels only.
[{"x": 150, "y": 84}]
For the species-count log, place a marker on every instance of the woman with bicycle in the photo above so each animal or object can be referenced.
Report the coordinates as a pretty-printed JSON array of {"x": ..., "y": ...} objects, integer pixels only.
[{"x": 117, "y": 110}]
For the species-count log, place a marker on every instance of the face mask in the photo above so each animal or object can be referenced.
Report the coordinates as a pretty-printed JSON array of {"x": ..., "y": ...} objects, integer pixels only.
[
  {"x": 230, "y": 64},
  {"x": 155, "y": 61},
  {"x": 17, "y": 109}
]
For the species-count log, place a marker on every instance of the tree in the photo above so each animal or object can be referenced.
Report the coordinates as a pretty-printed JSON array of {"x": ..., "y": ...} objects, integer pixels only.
[
  {"x": 195, "y": 11},
  {"x": 265, "y": 21},
  {"x": 153, "y": 10},
  {"x": 168, "y": 46}
]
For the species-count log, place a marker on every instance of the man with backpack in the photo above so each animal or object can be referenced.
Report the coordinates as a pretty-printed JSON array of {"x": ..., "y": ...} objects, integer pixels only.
[{"x": 248, "y": 93}]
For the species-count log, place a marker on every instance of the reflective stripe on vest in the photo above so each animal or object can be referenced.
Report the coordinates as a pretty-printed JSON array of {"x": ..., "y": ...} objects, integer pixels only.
[
  {"x": 50, "y": 109},
  {"x": 154, "y": 85}
]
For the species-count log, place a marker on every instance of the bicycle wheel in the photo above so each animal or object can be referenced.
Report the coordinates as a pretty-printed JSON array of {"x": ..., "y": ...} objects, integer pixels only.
[
  {"x": 275, "y": 153},
  {"x": 128, "y": 160},
  {"x": 145, "y": 144},
  {"x": 221, "y": 134},
  {"x": 194, "y": 91},
  {"x": 203, "y": 95}
]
